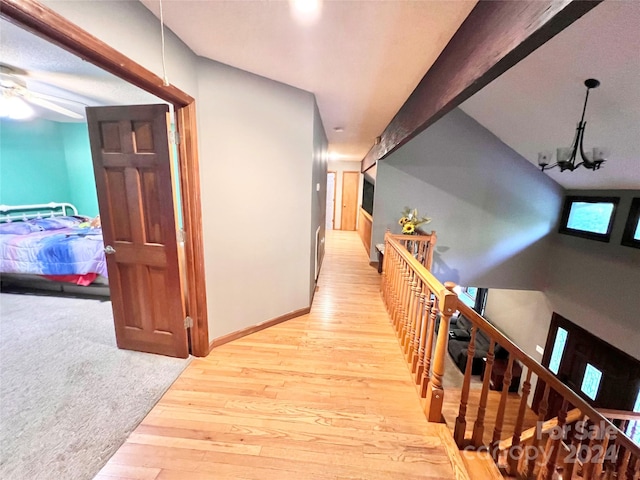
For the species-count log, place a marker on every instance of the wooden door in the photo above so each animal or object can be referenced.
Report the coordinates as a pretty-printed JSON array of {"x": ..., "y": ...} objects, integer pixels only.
[
  {"x": 132, "y": 166},
  {"x": 350, "y": 183}
]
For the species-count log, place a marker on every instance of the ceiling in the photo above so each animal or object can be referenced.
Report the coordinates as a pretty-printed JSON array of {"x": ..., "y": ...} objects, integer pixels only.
[
  {"x": 536, "y": 105},
  {"x": 51, "y": 70},
  {"x": 361, "y": 59}
]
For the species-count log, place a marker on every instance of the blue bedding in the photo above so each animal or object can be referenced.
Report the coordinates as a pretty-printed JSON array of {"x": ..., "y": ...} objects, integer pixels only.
[{"x": 53, "y": 246}]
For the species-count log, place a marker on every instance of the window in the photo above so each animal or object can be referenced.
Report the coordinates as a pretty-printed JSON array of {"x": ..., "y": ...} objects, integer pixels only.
[
  {"x": 473, "y": 297},
  {"x": 633, "y": 428},
  {"x": 631, "y": 235},
  {"x": 558, "y": 350},
  {"x": 591, "y": 381},
  {"x": 589, "y": 217}
]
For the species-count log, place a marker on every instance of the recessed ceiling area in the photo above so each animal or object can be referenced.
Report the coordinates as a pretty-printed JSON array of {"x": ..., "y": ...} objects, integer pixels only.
[
  {"x": 48, "y": 69},
  {"x": 536, "y": 105},
  {"x": 361, "y": 59}
]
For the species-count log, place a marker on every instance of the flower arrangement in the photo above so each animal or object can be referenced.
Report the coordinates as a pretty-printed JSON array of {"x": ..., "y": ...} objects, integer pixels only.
[{"x": 410, "y": 221}]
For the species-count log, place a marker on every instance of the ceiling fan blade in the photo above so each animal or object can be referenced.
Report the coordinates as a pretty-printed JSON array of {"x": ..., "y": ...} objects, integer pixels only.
[{"x": 42, "y": 102}]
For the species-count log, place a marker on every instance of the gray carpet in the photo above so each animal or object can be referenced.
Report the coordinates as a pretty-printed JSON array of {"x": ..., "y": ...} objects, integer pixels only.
[{"x": 68, "y": 397}]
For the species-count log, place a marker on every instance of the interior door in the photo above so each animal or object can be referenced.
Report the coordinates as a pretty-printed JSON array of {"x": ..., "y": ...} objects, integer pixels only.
[
  {"x": 350, "y": 183},
  {"x": 132, "y": 166}
]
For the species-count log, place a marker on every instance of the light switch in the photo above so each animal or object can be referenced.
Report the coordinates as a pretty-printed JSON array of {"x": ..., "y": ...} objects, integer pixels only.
[{"x": 317, "y": 187}]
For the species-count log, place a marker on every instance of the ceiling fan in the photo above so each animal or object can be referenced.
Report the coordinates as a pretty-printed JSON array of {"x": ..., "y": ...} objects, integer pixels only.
[{"x": 16, "y": 97}]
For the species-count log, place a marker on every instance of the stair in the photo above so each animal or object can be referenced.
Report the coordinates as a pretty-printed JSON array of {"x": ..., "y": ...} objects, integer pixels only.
[{"x": 480, "y": 465}]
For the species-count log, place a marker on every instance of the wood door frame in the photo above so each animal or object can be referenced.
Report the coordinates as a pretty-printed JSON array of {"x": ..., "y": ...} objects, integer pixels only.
[
  {"x": 342, "y": 198},
  {"x": 335, "y": 182},
  {"x": 51, "y": 26}
]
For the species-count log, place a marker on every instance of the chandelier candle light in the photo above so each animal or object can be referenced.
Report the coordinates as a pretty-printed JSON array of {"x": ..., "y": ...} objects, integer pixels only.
[{"x": 567, "y": 157}]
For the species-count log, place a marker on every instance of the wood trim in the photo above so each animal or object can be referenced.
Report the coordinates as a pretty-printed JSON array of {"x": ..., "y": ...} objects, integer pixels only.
[
  {"x": 46, "y": 23},
  {"x": 49, "y": 25},
  {"x": 365, "y": 224},
  {"x": 495, "y": 36},
  {"x": 335, "y": 184},
  {"x": 256, "y": 328},
  {"x": 192, "y": 223}
]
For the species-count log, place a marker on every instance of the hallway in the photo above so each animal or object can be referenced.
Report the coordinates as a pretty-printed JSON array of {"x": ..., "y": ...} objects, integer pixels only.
[{"x": 323, "y": 396}]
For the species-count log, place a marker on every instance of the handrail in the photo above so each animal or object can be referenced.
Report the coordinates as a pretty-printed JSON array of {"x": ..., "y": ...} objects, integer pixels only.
[
  {"x": 420, "y": 308},
  {"x": 619, "y": 414},
  {"x": 543, "y": 374}
]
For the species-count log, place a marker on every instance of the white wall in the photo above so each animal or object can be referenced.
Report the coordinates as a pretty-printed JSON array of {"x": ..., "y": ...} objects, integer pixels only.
[
  {"x": 130, "y": 28},
  {"x": 597, "y": 285},
  {"x": 522, "y": 315},
  {"x": 256, "y": 139},
  {"x": 340, "y": 166},
  {"x": 492, "y": 209}
]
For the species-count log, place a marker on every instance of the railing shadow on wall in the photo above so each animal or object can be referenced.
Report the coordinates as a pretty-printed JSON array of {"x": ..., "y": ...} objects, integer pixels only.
[{"x": 579, "y": 442}]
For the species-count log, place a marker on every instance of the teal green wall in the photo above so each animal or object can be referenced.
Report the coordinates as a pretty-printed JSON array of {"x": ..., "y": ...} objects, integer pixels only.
[
  {"x": 43, "y": 161},
  {"x": 77, "y": 152},
  {"x": 32, "y": 163}
]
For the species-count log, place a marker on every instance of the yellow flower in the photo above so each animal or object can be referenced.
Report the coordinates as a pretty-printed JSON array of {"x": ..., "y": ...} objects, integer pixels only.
[
  {"x": 408, "y": 228},
  {"x": 403, "y": 220}
]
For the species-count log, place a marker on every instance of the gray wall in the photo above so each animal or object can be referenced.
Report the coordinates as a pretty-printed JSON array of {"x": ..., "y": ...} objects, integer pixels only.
[
  {"x": 597, "y": 285},
  {"x": 318, "y": 194},
  {"x": 256, "y": 158},
  {"x": 256, "y": 146},
  {"x": 493, "y": 211}
]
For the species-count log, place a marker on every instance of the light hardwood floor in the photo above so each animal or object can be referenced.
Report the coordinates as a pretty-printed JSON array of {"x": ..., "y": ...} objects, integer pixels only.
[{"x": 323, "y": 396}]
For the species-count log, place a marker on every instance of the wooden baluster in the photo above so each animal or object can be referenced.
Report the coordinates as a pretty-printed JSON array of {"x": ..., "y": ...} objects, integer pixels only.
[
  {"x": 623, "y": 471},
  {"x": 542, "y": 413},
  {"x": 432, "y": 245},
  {"x": 426, "y": 374},
  {"x": 513, "y": 454},
  {"x": 421, "y": 323},
  {"x": 393, "y": 272},
  {"x": 588, "y": 470},
  {"x": 414, "y": 321},
  {"x": 577, "y": 434},
  {"x": 497, "y": 431},
  {"x": 398, "y": 299},
  {"x": 404, "y": 303},
  {"x": 411, "y": 306},
  {"x": 402, "y": 313},
  {"x": 478, "y": 426},
  {"x": 553, "y": 445},
  {"x": 597, "y": 468},
  {"x": 425, "y": 310},
  {"x": 435, "y": 393},
  {"x": 461, "y": 420}
]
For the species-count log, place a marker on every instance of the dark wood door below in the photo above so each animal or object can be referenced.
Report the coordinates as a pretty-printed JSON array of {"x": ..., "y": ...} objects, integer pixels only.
[{"x": 132, "y": 166}]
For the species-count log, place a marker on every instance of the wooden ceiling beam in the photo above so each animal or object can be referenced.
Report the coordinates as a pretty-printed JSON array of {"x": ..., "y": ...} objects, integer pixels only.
[{"x": 496, "y": 35}]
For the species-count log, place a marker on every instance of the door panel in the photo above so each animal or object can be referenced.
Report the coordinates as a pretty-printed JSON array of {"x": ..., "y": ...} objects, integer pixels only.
[
  {"x": 350, "y": 183},
  {"x": 132, "y": 165}
]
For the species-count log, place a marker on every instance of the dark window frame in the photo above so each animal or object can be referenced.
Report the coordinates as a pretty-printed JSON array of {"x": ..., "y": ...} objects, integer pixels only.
[
  {"x": 632, "y": 223},
  {"x": 566, "y": 210}
]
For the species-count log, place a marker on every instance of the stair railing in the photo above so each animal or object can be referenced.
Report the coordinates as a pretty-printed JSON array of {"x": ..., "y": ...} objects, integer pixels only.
[
  {"x": 417, "y": 302},
  {"x": 583, "y": 443}
]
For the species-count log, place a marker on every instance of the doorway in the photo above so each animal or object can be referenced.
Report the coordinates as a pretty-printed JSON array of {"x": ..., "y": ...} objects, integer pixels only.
[
  {"x": 350, "y": 184},
  {"x": 600, "y": 373},
  {"x": 51, "y": 26},
  {"x": 331, "y": 201}
]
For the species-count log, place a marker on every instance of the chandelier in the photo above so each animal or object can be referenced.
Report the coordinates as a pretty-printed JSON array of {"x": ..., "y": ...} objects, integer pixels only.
[{"x": 566, "y": 157}]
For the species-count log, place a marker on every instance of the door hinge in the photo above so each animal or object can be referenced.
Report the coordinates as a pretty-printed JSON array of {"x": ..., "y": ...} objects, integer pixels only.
[{"x": 188, "y": 322}]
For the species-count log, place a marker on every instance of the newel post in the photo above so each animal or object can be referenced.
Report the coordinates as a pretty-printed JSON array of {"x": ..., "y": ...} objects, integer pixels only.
[{"x": 435, "y": 391}]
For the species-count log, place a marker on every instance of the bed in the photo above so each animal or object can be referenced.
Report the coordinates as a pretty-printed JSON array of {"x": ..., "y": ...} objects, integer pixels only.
[{"x": 50, "y": 244}]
